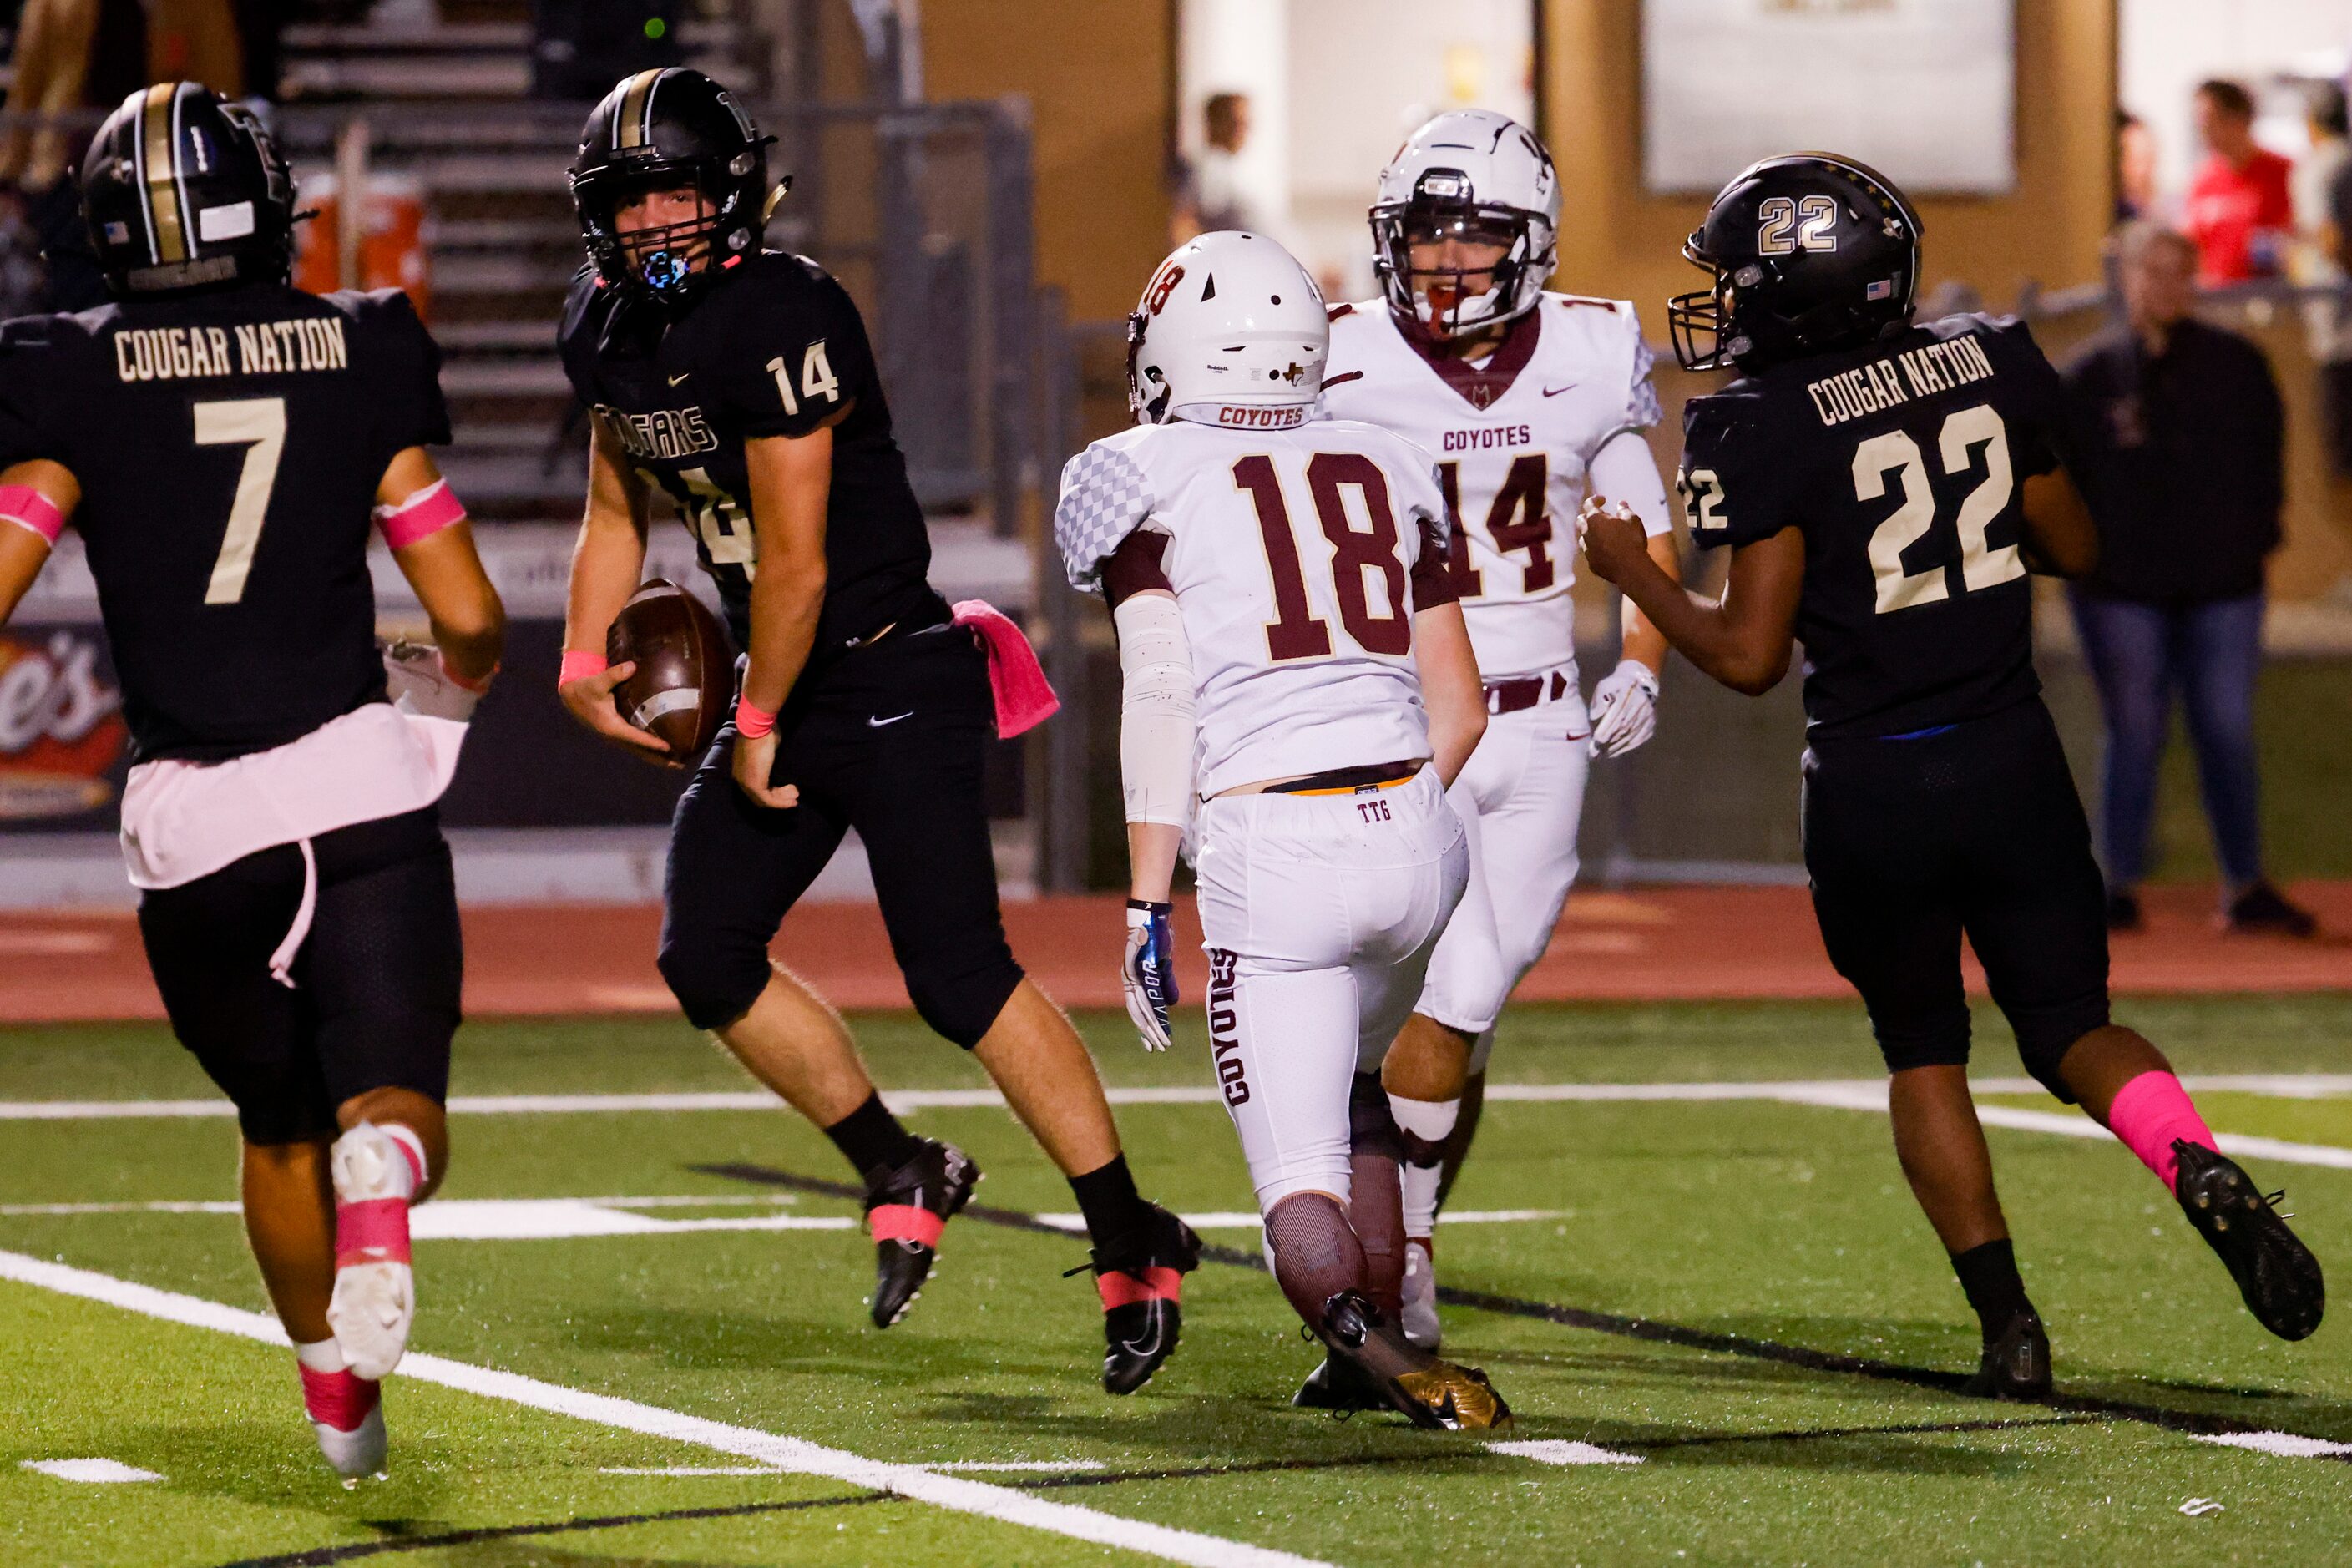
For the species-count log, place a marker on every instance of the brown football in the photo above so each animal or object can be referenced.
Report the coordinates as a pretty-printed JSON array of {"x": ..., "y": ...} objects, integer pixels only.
[{"x": 685, "y": 677}]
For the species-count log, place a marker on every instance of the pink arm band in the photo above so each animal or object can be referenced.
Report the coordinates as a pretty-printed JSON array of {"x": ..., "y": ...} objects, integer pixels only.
[
  {"x": 752, "y": 722},
  {"x": 28, "y": 508},
  {"x": 427, "y": 512},
  {"x": 579, "y": 664}
]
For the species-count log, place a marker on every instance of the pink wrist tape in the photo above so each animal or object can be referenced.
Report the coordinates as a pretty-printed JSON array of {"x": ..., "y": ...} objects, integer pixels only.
[
  {"x": 427, "y": 512},
  {"x": 752, "y": 722},
  {"x": 28, "y": 508},
  {"x": 579, "y": 664}
]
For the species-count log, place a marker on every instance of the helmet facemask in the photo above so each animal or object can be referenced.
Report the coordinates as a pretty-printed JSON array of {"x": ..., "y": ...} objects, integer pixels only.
[
  {"x": 674, "y": 260},
  {"x": 1456, "y": 301},
  {"x": 1704, "y": 323}
]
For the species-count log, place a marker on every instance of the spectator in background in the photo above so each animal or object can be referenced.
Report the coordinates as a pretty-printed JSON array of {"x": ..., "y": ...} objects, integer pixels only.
[
  {"x": 2239, "y": 211},
  {"x": 1210, "y": 194},
  {"x": 2182, "y": 442},
  {"x": 2334, "y": 236},
  {"x": 71, "y": 56},
  {"x": 2134, "y": 167}
]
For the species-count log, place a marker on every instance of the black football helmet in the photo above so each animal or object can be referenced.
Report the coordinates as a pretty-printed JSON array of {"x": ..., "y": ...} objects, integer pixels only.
[
  {"x": 1809, "y": 252},
  {"x": 666, "y": 129},
  {"x": 182, "y": 190}
]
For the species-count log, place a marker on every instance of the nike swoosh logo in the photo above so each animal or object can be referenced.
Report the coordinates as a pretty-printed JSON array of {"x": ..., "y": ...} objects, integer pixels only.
[
  {"x": 684, "y": 374},
  {"x": 1548, "y": 392},
  {"x": 878, "y": 723}
]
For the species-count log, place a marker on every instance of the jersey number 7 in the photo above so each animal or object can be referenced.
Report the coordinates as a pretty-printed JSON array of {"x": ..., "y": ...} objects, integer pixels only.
[
  {"x": 1297, "y": 632},
  {"x": 258, "y": 424}
]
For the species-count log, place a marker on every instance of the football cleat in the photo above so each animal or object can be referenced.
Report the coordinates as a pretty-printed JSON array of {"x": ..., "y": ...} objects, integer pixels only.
[
  {"x": 905, "y": 1210},
  {"x": 1428, "y": 1392},
  {"x": 1419, "y": 1316},
  {"x": 1341, "y": 1386},
  {"x": 2016, "y": 1363},
  {"x": 2276, "y": 1274},
  {"x": 1142, "y": 1315},
  {"x": 375, "y": 1301},
  {"x": 346, "y": 1410}
]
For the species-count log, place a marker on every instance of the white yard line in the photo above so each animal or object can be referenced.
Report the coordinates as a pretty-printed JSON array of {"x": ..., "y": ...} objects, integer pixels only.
[
  {"x": 1554, "y": 1451},
  {"x": 101, "y": 1472},
  {"x": 795, "y": 1454},
  {"x": 2070, "y": 1124},
  {"x": 2286, "y": 1444}
]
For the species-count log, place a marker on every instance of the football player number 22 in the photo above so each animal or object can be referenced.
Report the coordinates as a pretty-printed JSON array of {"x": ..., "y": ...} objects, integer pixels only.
[
  {"x": 258, "y": 424},
  {"x": 1896, "y": 453},
  {"x": 1355, "y": 554}
]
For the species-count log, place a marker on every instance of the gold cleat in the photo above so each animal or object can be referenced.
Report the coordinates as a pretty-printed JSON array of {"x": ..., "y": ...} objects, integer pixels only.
[{"x": 1458, "y": 1398}]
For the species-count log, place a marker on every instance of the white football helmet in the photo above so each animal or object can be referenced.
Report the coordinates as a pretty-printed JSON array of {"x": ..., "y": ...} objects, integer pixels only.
[
  {"x": 1233, "y": 328},
  {"x": 1477, "y": 177}
]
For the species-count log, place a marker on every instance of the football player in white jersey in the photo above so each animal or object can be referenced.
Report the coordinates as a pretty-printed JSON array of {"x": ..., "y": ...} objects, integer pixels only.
[
  {"x": 1529, "y": 401},
  {"x": 1299, "y": 687}
]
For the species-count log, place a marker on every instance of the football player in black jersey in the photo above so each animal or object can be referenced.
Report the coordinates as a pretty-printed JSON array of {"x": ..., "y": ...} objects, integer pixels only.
[
  {"x": 225, "y": 444},
  {"x": 1885, "y": 486},
  {"x": 739, "y": 380}
]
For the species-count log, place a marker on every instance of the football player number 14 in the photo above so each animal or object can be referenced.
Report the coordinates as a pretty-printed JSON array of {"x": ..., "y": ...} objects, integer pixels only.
[{"x": 258, "y": 424}]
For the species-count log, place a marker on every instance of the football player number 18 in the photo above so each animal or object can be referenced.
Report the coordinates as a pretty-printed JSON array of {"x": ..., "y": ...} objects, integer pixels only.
[
  {"x": 258, "y": 424},
  {"x": 1297, "y": 632}
]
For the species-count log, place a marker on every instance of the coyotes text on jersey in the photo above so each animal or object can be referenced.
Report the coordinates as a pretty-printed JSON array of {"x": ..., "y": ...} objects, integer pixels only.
[
  {"x": 1291, "y": 554},
  {"x": 1512, "y": 438}
]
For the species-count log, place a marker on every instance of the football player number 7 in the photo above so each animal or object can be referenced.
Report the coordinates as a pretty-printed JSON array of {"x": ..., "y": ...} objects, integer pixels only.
[{"x": 257, "y": 423}]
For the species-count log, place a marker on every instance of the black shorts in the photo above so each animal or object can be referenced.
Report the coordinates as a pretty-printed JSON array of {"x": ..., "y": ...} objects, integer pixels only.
[
  {"x": 374, "y": 998},
  {"x": 890, "y": 740},
  {"x": 1978, "y": 829}
]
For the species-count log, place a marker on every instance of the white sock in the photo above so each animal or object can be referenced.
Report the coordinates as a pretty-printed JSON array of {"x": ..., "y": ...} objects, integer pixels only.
[
  {"x": 418, "y": 1169},
  {"x": 321, "y": 1355},
  {"x": 1431, "y": 1120},
  {"x": 404, "y": 1172}
]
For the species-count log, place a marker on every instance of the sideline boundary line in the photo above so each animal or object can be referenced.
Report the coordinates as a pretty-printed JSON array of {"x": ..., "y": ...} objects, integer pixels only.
[
  {"x": 1651, "y": 1330},
  {"x": 1005, "y": 1504}
]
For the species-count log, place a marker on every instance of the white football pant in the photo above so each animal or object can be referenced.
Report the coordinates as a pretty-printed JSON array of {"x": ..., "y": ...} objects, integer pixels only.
[
  {"x": 1519, "y": 800},
  {"x": 1318, "y": 914}
]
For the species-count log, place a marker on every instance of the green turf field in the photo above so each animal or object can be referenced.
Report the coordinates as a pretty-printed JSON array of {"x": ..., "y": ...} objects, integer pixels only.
[{"x": 1767, "y": 1229}]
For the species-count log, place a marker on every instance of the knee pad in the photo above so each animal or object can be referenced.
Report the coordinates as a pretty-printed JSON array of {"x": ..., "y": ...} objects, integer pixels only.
[
  {"x": 715, "y": 982},
  {"x": 2045, "y": 1034},
  {"x": 961, "y": 1001}
]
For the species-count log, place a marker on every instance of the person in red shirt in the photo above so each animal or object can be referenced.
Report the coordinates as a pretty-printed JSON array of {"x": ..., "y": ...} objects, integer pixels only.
[{"x": 2238, "y": 211}]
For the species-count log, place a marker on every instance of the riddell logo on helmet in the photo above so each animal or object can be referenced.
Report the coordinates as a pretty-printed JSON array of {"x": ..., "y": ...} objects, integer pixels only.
[
  {"x": 61, "y": 733},
  {"x": 1247, "y": 418}
]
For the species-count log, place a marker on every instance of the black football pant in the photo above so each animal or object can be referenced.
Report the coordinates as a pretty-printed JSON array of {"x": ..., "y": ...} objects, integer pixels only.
[
  {"x": 890, "y": 740},
  {"x": 1976, "y": 829},
  {"x": 374, "y": 999}
]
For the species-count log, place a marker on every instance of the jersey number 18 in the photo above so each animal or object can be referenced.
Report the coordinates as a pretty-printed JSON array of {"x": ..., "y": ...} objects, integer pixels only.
[{"x": 1297, "y": 632}]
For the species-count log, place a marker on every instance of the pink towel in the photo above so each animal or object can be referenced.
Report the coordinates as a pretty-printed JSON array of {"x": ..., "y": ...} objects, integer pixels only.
[{"x": 1023, "y": 697}]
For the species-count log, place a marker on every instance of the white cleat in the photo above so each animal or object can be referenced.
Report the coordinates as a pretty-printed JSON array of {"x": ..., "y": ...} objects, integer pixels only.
[
  {"x": 375, "y": 1304},
  {"x": 347, "y": 1412},
  {"x": 1420, "y": 1317}
]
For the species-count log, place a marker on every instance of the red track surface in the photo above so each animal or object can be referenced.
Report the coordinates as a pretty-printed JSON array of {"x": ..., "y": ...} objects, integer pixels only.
[{"x": 1644, "y": 945}]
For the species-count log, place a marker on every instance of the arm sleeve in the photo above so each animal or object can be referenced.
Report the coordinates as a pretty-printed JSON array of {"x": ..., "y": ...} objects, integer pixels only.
[
  {"x": 1106, "y": 496},
  {"x": 413, "y": 412},
  {"x": 792, "y": 359},
  {"x": 1156, "y": 727},
  {"x": 1624, "y": 472}
]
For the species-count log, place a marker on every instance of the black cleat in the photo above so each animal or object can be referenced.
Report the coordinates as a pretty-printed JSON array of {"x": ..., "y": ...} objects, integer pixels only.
[
  {"x": 2275, "y": 1272},
  {"x": 1341, "y": 1386},
  {"x": 1141, "y": 1314},
  {"x": 1428, "y": 1392},
  {"x": 906, "y": 1209},
  {"x": 2016, "y": 1364}
]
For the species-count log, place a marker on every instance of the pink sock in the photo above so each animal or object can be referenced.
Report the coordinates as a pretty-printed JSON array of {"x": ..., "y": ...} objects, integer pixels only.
[{"x": 2149, "y": 1114}]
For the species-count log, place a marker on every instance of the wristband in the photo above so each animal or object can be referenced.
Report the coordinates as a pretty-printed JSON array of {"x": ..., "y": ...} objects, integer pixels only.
[
  {"x": 476, "y": 687},
  {"x": 579, "y": 664},
  {"x": 751, "y": 723},
  {"x": 29, "y": 509}
]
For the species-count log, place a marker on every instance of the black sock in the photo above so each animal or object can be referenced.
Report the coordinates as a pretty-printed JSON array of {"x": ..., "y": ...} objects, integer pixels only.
[
  {"x": 871, "y": 1139},
  {"x": 1114, "y": 1212},
  {"x": 1989, "y": 1275}
]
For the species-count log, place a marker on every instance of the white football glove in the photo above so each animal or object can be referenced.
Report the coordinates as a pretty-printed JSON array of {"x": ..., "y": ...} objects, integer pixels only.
[
  {"x": 1146, "y": 972},
  {"x": 417, "y": 682},
  {"x": 1624, "y": 709}
]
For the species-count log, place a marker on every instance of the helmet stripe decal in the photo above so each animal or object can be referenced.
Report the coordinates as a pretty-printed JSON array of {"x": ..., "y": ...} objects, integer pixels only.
[
  {"x": 629, "y": 126},
  {"x": 157, "y": 141}
]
